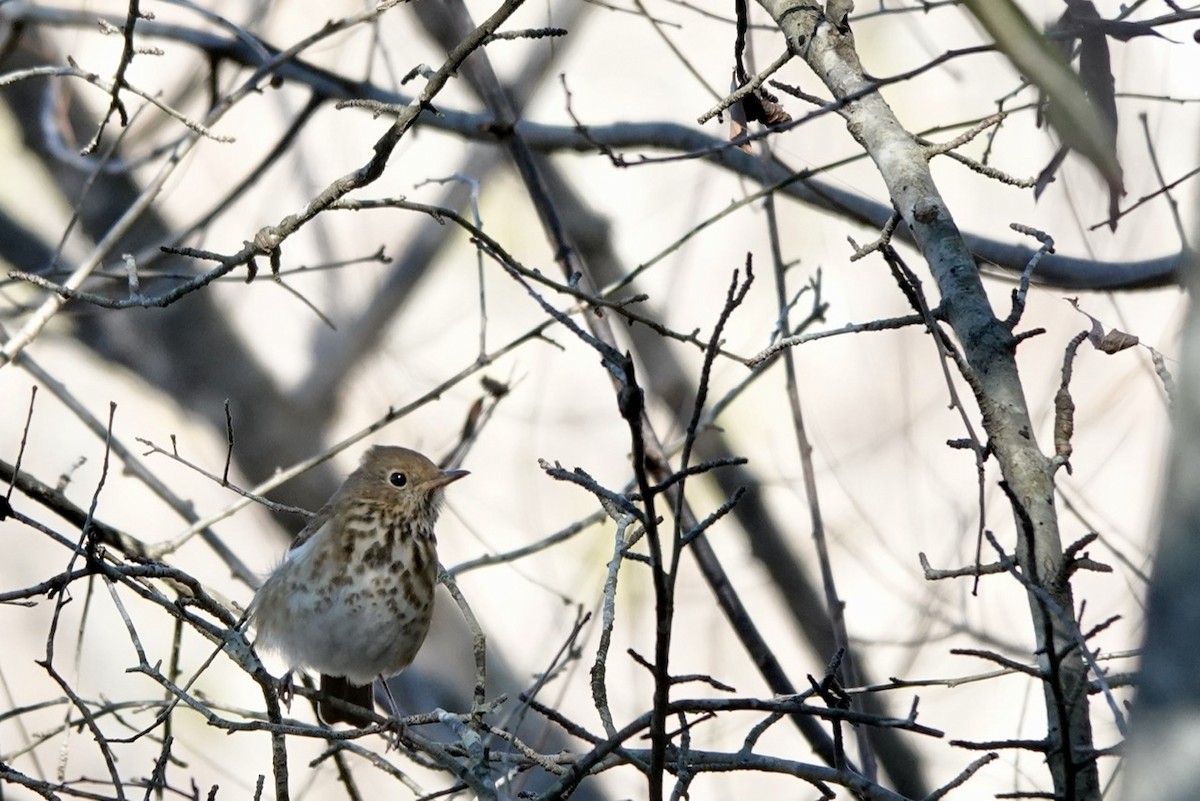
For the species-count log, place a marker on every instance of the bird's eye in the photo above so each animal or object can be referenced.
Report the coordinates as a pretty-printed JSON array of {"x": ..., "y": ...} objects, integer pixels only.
[{"x": 397, "y": 479}]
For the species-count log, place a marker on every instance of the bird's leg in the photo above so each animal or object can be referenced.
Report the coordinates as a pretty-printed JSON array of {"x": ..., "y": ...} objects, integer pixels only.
[
  {"x": 398, "y": 727},
  {"x": 392, "y": 707}
]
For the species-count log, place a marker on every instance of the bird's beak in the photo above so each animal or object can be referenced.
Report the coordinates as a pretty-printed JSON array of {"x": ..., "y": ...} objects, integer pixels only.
[{"x": 444, "y": 478}]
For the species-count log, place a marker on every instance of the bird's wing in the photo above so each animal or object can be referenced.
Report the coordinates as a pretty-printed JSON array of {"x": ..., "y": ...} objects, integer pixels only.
[{"x": 315, "y": 525}]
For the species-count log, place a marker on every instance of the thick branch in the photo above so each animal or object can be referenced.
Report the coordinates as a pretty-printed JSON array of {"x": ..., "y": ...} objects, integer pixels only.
[{"x": 989, "y": 349}]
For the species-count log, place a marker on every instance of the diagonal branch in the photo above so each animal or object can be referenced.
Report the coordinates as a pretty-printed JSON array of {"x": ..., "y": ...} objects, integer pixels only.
[{"x": 990, "y": 350}]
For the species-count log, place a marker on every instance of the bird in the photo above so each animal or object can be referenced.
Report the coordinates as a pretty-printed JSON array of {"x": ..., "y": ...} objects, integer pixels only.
[{"x": 353, "y": 597}]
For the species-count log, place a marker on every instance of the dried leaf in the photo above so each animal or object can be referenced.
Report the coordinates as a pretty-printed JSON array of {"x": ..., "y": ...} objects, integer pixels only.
[
  {"x": 1075, "y": 119},
  {"x": 1095, "y": 65},
  {"x": 469, "y": 425},
  {"x": 497, "y": 389},
  {"x": 1116, "y": 341},
  {"x": 1095, "y": 72},
  {"x": 1060, "y": 36},
  {"x": 739, "y": 123},
  {"x": 762, "y": 106},
  {"x": 739, "y": 126},
  {"x": 1112, "y": 341},
  {"x": 758, "y": 105},
  {"x": 1046, "y": 176}
]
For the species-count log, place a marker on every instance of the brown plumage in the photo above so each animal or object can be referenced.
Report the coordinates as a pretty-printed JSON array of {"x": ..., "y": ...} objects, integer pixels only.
[{"x": 353, "y": 597}]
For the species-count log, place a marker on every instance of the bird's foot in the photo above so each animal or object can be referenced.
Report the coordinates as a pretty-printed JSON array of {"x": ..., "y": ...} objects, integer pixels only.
[
  {"x": 397, "y": 735},
  {"x": 286, "y": 690}
]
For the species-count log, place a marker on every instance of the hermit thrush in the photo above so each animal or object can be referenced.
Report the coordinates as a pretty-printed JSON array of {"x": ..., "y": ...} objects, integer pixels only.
[{"x": 353, "y": 597}]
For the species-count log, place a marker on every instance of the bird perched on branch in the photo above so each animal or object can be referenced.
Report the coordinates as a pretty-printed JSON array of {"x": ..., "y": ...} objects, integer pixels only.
[{"x": 353, "y": 597}]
